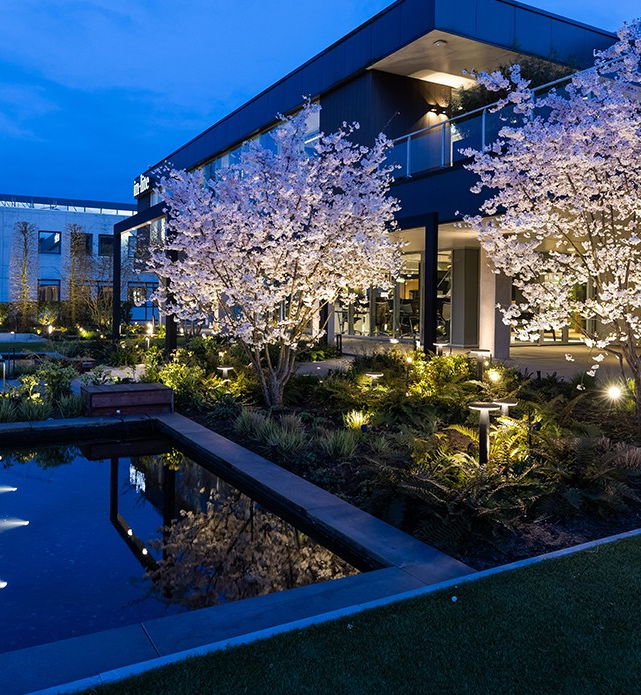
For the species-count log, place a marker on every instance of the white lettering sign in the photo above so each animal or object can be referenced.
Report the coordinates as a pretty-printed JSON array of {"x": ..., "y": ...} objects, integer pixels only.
[{"x": 141, "y": 184}]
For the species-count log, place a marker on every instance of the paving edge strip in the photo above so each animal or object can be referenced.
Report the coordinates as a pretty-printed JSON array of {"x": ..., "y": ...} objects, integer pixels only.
[{"x": 144, "y": 666}]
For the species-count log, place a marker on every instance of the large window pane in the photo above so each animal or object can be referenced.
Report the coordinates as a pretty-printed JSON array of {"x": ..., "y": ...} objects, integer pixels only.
[
  {"x": 48, "y": 290},
  {"x": 105, "y": 245},
  {"x": 49, "y": 242}
]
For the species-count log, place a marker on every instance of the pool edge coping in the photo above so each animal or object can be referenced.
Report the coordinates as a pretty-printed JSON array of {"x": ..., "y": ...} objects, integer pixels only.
[{"x": 410, "y": 562}]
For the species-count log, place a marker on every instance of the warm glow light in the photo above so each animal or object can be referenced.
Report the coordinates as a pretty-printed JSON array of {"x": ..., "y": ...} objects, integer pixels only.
[
  {"x": 50, "y": 329},
  {"x": 494, "y": 375},
  {"x": 394, "y": 341},
  {"x": 444, "y": 78},
  {"x": 614, "y": 392},
  {"x": 409, "y": 360}
]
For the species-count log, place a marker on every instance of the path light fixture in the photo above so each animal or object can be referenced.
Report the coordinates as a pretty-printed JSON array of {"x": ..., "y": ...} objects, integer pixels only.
[
  {"x": 49, "y": 329},
  {"x": 150, "y": 328},
  {"x": 148, "y": 342},
  {"x": 438, "y": 349},
  {"x": 394, "y": 341},
  {"x": 374, "y": 376},
  {"x": 225, "y": 371},
  {"x": 483, "y": 358},
  {"x": 506, "y": 404},
  {"x": 484, "y": 409}
]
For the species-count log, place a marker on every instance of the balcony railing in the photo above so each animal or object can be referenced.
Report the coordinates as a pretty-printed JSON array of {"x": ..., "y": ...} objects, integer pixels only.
[{"x": 439, "y": 146}]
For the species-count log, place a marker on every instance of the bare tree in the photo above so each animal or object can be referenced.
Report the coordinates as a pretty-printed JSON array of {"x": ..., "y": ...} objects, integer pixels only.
[
  {"x": 23, "y": 274},
  {"x": 79, "y": 273}
]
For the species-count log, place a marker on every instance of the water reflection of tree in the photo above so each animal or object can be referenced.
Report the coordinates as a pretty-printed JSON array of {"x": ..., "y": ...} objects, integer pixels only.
[
  {"x": 44, "y": 457},
  {"x": 236, "y": 550}
]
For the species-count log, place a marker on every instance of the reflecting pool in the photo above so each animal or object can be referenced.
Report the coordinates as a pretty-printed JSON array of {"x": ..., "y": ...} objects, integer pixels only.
[{"x": 108, "y": 534}]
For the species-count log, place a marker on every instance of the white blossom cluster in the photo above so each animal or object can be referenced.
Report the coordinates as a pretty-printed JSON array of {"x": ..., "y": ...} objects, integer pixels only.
[
  {"x": 264, "y": 246},
  {"x": 564, "y": 206}
]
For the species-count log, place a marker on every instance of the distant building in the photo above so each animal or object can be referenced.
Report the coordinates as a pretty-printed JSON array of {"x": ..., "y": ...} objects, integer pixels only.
[{"x": 52, "y": 220}]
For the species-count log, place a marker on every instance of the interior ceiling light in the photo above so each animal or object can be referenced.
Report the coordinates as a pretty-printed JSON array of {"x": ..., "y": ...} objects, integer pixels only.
[{"x": 440, "y": 42}]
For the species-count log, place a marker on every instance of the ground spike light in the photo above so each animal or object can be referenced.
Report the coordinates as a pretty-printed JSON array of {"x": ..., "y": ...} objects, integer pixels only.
[
  {"x": 484, "y": 409},
  {"x": 506, "y": 404},
  {"x": 614, "y": 392}
]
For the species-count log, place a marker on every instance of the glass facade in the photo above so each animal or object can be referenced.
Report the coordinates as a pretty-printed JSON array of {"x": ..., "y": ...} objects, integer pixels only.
[
  {"x": 396, "y": 313},
  {"x": 265, "y": 138}
]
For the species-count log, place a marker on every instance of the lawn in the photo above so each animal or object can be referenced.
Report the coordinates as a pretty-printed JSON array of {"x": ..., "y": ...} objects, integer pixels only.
[{"x": 563, "y": 626}]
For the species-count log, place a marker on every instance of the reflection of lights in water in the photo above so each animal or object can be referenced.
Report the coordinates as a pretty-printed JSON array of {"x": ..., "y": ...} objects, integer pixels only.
[
  {"x": 6, "y": 524},
  {"x": 144, "y": 551},
  {"x": 137, "y": 479},
  {"x": 7, "y": 488},
  {"x": 2, "y": 584},
  {"x": 130, "y": 532}
]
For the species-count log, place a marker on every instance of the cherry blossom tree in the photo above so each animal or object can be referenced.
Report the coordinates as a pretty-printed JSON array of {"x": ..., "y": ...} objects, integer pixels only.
[
  {"x": 269, "y": 242},
  {"x": 563, "y": 216}
]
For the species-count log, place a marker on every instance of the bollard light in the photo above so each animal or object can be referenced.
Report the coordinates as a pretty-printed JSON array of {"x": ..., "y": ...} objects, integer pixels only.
[
  {"x": 506, "y": 404},
  {"x": 484, "y": 409},
  {"x": 374, "y": 376},
  {"x": 483, "y": 358},
  {"x": 438, "y": 349}
]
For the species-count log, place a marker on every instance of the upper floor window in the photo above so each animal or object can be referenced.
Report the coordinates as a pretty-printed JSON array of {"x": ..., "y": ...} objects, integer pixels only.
[
  {"x": 81, "y": 243},
  {"x": 49, "y": 242},
  {"x": 105, "y": 245}
]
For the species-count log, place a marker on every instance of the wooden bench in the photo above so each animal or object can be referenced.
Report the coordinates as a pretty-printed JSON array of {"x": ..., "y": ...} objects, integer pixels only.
[{"x": 127, "y": 399}]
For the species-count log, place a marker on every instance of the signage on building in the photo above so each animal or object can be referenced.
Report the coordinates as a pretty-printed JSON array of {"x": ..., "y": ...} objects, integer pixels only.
[{"x": 141, "y": 185}]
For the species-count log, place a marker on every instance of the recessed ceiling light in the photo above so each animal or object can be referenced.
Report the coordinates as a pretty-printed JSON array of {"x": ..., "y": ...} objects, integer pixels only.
[{"x": 440, "y": 42}]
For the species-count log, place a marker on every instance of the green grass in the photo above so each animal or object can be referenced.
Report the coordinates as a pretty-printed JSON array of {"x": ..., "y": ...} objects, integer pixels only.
[{"x": 563, "y": 626}]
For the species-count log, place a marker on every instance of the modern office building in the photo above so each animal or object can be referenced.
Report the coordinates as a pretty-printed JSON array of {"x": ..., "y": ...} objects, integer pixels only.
[
  {"x": 402, "y": 73},
  {"x": 52, "y": 222}
]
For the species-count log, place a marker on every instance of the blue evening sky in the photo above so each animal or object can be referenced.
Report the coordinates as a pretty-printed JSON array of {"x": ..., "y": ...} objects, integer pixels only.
[{"x": 94, "y": 91}]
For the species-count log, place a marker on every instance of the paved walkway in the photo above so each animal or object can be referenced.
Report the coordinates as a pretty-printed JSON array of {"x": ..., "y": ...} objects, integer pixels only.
[{"x": 547, "y": 359}]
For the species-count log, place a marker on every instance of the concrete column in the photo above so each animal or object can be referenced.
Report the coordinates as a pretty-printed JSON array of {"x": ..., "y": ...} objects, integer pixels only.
[
  {"x": 428, "y": 283},
  {"x": 465, "y": 297},
  {"x": 494, "y": 289}
]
